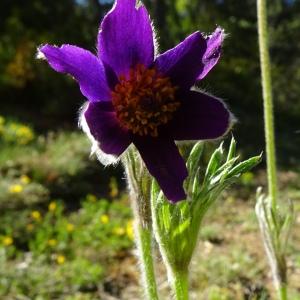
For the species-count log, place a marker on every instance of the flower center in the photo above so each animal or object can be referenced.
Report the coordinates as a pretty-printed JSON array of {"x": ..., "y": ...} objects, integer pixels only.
[{"x": 144, "y": 100}]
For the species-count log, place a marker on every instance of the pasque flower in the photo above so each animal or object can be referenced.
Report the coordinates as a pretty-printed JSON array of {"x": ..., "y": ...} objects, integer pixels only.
[{"x": 138, "y": 96}]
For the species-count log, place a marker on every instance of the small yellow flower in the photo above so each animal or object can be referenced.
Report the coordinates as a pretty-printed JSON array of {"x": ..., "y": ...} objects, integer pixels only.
[
  {"x": 24, "y": 134},
  {"x": 129, "y": 229},
  {"x": 15, "y": 189},
  {"x": 52, "y": 206},
  {"x": 36, "y": 215},
  {"x": 7, "y": 241},
  {"x": 29, "y": 227},
  {"x": 70, "y": 227},
  {"x": 60, "y": 259},
  {"x": 104, "y": 219},
  {"x": 52, "y": 242},
  {"x": 25, "y": 179},
  {"x": 91, "y": 198},
  {"x": 119, "y": 231}
]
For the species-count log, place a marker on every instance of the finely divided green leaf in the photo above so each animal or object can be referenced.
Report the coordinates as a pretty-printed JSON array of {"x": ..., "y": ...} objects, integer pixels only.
[
  {"x": 214, "y": 162},
  {"x": 232, "y": 149},
  {"x": 244, "y": 166},
  {"x": 194, "y": 158}
]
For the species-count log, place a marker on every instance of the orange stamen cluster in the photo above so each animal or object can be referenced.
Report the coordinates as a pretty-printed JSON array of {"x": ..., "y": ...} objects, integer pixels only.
[{"x": 144, "y": 100}]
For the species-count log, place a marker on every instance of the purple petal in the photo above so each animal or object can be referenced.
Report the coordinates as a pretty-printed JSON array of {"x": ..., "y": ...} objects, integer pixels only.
[
  {"x": 165, "y": 164},
  {"x": 85, "y": 67},
  {"x": 105, "y": 129},
  {"x": 184, "y": 63},
  {"x": 125, "y": 38},
  {"x": 201, "y": 117},
  {"x": 213, "y": 51}
]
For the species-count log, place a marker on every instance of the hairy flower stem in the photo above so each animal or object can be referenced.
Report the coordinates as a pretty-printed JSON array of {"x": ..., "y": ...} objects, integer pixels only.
[
  {"x": 268, "y": 100},
  {"x": 139, "y": 186},
  {"x": 144, "y": 241},
  {"x": 143, "y": 235},
  {"x": 269, "y": 124},
  {"x": 180, "y": 284}
]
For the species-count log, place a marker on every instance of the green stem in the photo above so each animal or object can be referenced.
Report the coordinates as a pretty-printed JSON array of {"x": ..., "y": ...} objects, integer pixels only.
[
  {"x": 269, "y": 119},
  {"x": 268, "y": 101},
  {"x": 139, "y": 186},
  {"x": 283, "y": 292},
  {"x": 180, "y": 284},
  {"x": 144, "y": 237}
]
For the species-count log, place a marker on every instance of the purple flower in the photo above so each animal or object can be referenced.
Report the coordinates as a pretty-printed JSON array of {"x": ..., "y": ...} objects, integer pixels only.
[{"x": 135, "y": 96}]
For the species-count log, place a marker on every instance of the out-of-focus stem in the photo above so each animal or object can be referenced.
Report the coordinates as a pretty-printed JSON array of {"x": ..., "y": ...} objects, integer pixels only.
[
  {"x": 268, "y": 100},
  {"x": 283, "y": 292}
]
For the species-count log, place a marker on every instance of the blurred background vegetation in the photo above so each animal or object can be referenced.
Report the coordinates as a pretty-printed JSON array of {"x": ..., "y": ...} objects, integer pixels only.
[
  {"x": 32, "y": 92},
  {"x": 66, "y": 229}
]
